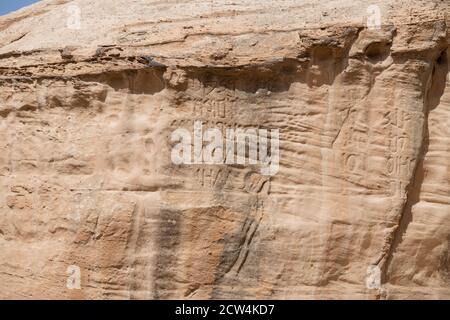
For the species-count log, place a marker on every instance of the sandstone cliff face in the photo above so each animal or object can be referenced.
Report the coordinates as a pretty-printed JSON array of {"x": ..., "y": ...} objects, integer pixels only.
[{"x": 91, "y": 92}]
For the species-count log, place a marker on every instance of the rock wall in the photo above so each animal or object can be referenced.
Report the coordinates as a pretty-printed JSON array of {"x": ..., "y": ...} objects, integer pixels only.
[{"x": 92, "y": 205}]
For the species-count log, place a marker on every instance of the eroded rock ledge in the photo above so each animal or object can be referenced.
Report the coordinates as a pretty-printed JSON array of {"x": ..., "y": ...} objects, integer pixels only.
[{"x": 86, "y": 177}]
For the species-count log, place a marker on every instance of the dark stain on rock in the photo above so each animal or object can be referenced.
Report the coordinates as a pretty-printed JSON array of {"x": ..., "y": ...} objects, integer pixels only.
[{"x": 168, "y": 240}]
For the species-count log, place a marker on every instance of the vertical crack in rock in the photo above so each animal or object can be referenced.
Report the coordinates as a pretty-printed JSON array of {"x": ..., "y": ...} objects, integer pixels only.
[
  {"x": 168, "y": 240},
  {"x": 131, "y": 248}
]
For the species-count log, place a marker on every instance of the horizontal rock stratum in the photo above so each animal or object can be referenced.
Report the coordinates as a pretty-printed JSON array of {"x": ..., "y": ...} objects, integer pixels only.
[{"x": 92, "y": 205}]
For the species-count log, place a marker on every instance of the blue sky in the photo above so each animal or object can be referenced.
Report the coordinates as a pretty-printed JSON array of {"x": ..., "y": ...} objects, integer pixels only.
[{"x": 7, "y": 6}]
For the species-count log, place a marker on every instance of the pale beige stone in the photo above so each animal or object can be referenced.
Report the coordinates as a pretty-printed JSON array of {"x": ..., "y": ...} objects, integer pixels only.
[{"x": 360, "y": 205}]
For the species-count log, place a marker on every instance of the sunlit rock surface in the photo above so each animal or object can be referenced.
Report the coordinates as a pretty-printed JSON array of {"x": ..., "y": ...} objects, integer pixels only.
[{"x": 92, "y": 90}]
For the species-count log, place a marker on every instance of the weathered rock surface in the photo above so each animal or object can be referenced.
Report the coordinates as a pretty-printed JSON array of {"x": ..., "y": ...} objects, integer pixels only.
[{"x": 359, "y": 208}]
